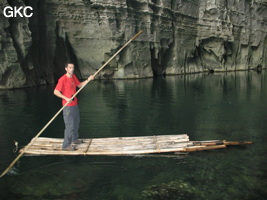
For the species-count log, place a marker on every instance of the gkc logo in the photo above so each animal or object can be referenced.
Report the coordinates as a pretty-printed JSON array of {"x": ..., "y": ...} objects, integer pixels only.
[{"x": 18, "y": 11}]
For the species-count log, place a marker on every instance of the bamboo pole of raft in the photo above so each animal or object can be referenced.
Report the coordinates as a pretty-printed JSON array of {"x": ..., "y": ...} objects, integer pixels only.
[{"x": 32, "y": 141}]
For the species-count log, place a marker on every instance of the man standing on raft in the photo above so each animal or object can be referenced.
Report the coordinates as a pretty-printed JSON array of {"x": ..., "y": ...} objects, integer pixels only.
[{"x": 65, "y": 89}]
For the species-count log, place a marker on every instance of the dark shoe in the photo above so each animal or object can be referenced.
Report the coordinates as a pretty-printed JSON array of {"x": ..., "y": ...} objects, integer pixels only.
[
  {"x": 69, "y": 148},
  {"x": 78, "y": 142}
]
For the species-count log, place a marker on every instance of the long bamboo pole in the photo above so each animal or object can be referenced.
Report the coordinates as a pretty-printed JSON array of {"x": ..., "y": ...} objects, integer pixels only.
[{"x": 33, "y": 140}]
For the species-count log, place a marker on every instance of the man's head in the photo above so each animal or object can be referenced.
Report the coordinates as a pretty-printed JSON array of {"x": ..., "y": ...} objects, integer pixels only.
[{"x": 69, "y": 67}]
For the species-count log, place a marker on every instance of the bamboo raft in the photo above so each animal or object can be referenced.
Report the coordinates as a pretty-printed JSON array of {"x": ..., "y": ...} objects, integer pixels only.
[{"x": 127, "y": 145}]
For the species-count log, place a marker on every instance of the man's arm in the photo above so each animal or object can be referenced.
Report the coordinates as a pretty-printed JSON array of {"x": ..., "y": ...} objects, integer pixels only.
[
  {"x": 87, "y": 80},
  {"x": 60, "y": 95}
]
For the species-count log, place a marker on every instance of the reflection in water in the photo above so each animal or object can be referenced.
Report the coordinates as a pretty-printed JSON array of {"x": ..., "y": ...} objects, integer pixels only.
[{"x": 205, "y": 106}]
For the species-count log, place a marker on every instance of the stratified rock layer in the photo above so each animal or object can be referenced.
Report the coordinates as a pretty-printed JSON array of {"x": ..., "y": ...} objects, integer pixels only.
[{"x": 180, "y": 36}]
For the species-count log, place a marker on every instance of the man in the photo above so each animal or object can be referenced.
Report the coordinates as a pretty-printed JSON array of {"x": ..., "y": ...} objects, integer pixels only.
[{"x": 65, "y": 89}]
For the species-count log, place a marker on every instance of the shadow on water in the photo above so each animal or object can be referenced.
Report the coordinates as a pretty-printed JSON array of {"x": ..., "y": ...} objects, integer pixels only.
[{"x": 227, "y": 106}]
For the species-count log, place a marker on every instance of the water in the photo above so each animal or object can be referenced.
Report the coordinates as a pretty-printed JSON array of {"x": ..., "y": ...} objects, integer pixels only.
[{"x": 229, "y": 106}]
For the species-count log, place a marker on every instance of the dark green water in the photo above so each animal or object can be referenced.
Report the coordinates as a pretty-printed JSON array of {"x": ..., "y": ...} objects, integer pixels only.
[{"x": 229, "y": 106}]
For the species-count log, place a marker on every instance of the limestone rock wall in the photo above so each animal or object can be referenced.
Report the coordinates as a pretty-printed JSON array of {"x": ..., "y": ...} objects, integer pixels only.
[
  {"x": 14, "y": 43},
  {"x": 180, "y": 36}
]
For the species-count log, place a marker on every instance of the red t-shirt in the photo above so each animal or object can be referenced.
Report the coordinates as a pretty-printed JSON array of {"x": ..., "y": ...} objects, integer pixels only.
[{"x": 67, "y": 86}]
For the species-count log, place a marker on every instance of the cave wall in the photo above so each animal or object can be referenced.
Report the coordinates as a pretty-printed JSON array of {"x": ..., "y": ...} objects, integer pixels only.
[{"x": 179, "y": 37}]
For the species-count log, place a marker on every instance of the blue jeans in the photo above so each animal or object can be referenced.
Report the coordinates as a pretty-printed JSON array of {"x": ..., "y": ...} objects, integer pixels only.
[{"x": 71, "y": 115}]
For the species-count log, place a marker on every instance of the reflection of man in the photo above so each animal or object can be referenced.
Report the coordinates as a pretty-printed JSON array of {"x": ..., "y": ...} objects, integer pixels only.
[{"x": 65, "y": 89}]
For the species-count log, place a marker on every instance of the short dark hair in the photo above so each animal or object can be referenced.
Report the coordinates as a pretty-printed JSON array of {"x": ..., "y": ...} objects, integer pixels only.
[{"x": 66, "y": 64}]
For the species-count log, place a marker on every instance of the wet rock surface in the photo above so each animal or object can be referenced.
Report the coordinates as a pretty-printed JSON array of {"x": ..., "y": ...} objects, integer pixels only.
[{"x": 179, "y": 37}]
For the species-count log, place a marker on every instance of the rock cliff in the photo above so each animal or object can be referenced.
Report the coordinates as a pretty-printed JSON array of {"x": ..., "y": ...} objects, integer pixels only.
[{"x": 180, "y": 36}]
